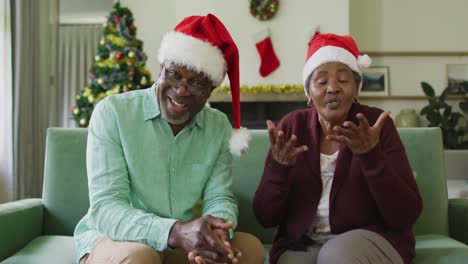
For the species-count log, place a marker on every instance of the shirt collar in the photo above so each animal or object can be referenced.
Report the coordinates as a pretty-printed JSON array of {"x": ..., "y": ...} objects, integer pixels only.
[{"x": 151, "y": 107}]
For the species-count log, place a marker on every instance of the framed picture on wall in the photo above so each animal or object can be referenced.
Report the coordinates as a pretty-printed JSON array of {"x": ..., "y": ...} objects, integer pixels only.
[
  {"x": 457, "y": 78},
  {"x": 375, "y": 81}
]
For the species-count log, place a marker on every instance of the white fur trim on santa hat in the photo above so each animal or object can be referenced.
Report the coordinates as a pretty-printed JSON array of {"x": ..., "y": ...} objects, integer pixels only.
[
  {"x": 194, "y": 54},
  {"x": 239, "y": 141},
  {"x": 329, "y": 54}
]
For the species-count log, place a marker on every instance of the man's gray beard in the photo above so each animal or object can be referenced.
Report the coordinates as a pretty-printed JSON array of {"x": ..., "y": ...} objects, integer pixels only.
[{"x": 179, "y": 121}]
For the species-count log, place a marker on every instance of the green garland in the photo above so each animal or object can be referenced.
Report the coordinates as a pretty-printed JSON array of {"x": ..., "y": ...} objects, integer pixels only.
[
  {"x": 264, "y": 88},
  {"x": 264, "y": 9}
]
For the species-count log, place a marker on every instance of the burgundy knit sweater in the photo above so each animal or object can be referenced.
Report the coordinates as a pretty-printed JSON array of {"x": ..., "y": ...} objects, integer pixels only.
[{"x": 374, "y": 191}]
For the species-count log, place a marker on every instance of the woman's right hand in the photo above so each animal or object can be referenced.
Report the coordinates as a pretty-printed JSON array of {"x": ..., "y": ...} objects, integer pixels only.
[{"x": 283, "y": 151}]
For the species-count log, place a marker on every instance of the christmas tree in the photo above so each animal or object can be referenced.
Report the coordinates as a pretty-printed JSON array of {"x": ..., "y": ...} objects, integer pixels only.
[{"x": 119, "y": 65}]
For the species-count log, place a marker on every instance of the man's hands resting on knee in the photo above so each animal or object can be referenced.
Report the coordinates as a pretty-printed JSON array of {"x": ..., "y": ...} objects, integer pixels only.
[{"x": 206, "y": 240}]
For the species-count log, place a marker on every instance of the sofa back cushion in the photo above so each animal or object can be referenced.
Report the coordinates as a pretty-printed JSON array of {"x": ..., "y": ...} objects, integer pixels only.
[
  {"x": 65, "y": 191},
  {"x": 247, "y": 173},
  {"x": 425, "y": 152},
  {"x": 66, "y": 199}
]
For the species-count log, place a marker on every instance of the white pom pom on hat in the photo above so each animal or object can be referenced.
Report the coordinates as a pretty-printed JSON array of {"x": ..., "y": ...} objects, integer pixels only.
[{"x": 329, "y": 47}]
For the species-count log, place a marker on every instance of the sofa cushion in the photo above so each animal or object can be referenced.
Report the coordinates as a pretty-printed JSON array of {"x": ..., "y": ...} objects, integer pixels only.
[
  {"x": 46, "y": 249},
  {"x": 65, "y": 194},
  {"x": 425, "y": 153},
  {"x": 438, "y": 249}
]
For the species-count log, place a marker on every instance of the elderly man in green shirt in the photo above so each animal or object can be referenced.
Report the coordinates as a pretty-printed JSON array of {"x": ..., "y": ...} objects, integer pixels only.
[{"x": 152, "y": 154}]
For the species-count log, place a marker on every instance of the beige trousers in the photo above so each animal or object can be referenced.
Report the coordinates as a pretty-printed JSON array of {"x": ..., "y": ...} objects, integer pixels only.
[
  {"x": 353, "y": 247},
  {"x": 113, "y": 252}
]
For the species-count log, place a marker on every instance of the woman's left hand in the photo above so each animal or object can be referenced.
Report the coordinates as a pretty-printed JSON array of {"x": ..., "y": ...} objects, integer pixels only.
[{"x": 360, "y": 139}]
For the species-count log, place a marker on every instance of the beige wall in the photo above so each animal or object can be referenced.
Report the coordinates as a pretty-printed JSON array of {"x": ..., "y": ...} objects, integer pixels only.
[
  {"x": 416, "y": 25},
  {"x": 153, "y": 18},
  {"x": 377, "y": 25}
]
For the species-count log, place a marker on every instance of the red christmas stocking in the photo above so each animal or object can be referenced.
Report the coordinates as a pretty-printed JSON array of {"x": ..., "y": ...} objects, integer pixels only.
[{"x": 269, "y": 61}]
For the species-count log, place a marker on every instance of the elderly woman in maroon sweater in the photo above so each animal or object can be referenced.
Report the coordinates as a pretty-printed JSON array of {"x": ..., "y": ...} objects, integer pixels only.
[{"x": 337, "y": 183}]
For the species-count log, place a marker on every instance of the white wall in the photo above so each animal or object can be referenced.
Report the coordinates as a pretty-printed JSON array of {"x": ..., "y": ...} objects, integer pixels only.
[
  {"x": 416, "y": 25},
  {"x": 84, "y": 11},
  {"x": 153, "y": 18}
]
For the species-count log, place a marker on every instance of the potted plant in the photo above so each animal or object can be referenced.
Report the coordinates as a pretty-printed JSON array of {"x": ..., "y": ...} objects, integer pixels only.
[{"x": 439, "y": 113}]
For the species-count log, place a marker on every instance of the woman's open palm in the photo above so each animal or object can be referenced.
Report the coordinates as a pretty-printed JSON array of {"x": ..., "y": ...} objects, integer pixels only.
[{"x": 283, "y": 150}]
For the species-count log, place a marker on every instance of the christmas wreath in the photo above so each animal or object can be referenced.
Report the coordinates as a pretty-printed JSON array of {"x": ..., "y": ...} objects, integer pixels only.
[{"x": 263, "y": 9}]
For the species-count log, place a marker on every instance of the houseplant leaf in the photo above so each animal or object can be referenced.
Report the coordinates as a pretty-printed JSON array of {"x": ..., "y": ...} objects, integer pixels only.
[{"x": 428, "y": 90}]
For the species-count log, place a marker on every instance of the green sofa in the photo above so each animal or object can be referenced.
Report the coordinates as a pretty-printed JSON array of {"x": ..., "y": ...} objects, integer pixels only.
[{"x": 39, "y": 230}]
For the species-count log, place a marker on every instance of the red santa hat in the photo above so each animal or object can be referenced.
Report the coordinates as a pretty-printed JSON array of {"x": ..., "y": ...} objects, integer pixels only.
[
  {"x": 325, "y": 48},
  {"x": 204, "y": 45}
]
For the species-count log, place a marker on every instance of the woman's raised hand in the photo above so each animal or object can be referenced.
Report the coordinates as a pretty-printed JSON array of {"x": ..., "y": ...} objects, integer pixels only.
[
  {"x": 283, "y": 150},
  {"x": 359, "y": 139}
]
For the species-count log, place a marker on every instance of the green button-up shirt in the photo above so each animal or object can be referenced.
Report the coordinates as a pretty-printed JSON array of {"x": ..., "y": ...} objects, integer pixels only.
[{"x": 142, "y": 178}]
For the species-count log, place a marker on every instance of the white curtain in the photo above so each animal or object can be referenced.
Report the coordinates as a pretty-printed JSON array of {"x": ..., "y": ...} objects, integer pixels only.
[
  {"x": 35, "y": 105},
  {"x": 77, "y": 48},
  {"x": 6, "y": 104}
]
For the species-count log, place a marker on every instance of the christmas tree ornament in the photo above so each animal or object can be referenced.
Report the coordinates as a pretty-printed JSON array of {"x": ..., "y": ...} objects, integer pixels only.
[
  {"x": 91, "y": 99},
  {"x": 83, "y": 122},
  {"x": 129, "y": 64},
  {"x": 102, "y": 42},
  {"x": 125, "y": 89},
  {"x": 131, "y": 54},
  {"x": 76, "y": 111},
  {"x": 268, "y": 60},
  {"x": 131, "y": 27},
  {"x": 117, "y": 19},
  {"x": 90, "y": 75},
  {"x": 131, "y": 73},
  {"x": 143, "y": 81},
  {"x": 264, "y": 9},
  {"x": 97, "y": 58},
  {"x": 105, "y": 24},
  {"x": 100, "y": 81},
  {"x": 118, "y": 55}
]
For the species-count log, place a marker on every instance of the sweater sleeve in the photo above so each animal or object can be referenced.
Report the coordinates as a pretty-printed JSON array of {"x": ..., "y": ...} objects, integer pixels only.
[
  {"x": 109, "y": 187},
  {"x": 390, "y": 180},
  {"x": 271, "y": 196}
]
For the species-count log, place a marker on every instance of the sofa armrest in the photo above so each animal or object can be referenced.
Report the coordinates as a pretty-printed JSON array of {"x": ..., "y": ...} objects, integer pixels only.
[
  {"x": 20, "y": 222},
  {"x": 458, "y": 219}
]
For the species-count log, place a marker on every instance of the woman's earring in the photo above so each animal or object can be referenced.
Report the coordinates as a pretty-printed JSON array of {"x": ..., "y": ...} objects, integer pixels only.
[
  {"x": 310, "y": 103},
  {"x": 355, "y": 100}
]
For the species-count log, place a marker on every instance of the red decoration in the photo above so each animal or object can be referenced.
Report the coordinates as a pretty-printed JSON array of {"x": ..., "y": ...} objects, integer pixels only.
[
  {"x": 118, "y": 55},
  {"x": 125, "y": 89},
  {"x": 90, "y": 75},
  {"x": 72, "y": 108},
  {"x": 117, "y": 19},
  {"x": 131, "y": 73},
  {"x": 130, "y": 64},
  {"x": 132, "y": 27}
]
